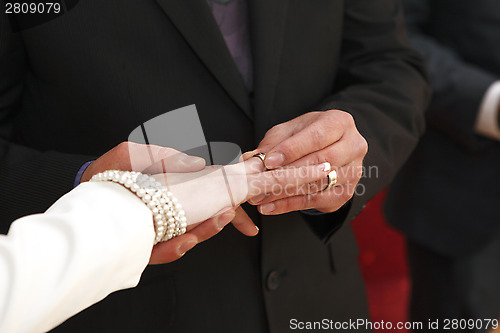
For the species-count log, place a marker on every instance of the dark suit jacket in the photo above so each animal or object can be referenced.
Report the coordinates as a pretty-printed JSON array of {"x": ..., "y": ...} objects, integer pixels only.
[
  {"x": 74, "y": 87},
  {"x": 447, "y": 196}
]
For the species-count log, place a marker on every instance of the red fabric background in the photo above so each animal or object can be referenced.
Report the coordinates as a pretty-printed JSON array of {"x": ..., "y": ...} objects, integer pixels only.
[{"x": 383, "y": 264}]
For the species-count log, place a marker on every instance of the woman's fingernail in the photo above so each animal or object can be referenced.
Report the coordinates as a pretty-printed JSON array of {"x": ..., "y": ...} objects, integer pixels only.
[
  {"x": 275, "y": 160},
  {"x": 191, "y": 160},
  {"x": 325, "y": 167},
  {"x": 267, "y": 208},
  {"x": 184, "y": 247},
  {"x": 256, "y": 230},
  {"x": 257, "y": 199}
]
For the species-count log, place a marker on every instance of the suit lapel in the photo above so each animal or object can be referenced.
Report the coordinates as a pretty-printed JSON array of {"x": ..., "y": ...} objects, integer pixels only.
[
  {"x": 196, "y": 23},
  {"x": 268, "y": 22}
]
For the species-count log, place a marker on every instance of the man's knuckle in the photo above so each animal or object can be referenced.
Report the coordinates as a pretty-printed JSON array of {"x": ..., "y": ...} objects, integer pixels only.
[
  {"x": 345, "y": 119},
  {"x": 361, "y": 146},
  {"x": 274, "y": 130},
  {"x": 287, "y": 148}
]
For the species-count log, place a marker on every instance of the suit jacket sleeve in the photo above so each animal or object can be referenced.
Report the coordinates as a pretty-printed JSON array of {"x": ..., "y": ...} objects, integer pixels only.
[
  {"x": 30, "y": 180},
  {"x": 382, "y": 83},
  {"x": 459, "y": 86},
  {"x": 95, "y": 240}
]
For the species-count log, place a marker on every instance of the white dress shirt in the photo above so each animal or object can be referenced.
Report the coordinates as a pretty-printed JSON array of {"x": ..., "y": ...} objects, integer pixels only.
[
  {"x": 95, "y": 240},
  {"x": 486, "y": 122}
]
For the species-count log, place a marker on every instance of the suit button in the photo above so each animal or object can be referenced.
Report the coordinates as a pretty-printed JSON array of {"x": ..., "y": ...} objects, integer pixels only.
[{"x": 273, "y": 280}]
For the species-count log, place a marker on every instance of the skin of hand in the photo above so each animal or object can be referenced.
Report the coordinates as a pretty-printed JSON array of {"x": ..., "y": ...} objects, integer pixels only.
[
  {"x": 129, "y": 156},
  {"x": 311, "y": 139},
  {"x": 218, "y": 189}
]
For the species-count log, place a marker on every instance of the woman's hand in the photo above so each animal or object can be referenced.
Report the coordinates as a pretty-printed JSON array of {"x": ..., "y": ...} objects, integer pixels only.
[
  {"x": 129, "y": 156},
  {"x": 217, "y": 189},
  {"x": 210, "y": 195}
]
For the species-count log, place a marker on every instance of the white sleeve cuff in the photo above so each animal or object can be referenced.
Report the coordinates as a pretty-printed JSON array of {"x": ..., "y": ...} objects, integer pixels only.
[{"x": 487, "y": 122}]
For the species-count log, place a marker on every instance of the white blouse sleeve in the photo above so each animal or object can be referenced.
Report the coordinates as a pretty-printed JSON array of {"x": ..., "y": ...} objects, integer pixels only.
[{"x": 95, "y": 240}]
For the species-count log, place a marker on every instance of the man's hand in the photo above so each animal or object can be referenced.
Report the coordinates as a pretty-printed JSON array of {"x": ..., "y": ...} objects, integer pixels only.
[{"x": 311, "y": 139}]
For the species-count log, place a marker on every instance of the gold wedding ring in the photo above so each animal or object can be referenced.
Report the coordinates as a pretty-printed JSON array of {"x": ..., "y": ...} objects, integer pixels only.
[
  {"x": 262, "y": 157},
  {"x": 332, "y": 180}
]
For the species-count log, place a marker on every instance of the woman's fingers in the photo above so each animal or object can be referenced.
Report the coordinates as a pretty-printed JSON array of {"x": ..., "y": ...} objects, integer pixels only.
[
  {"x": 175, "y": 248},
  {"x": 213, "y": 226},
  {"x": 244, "y": 223},
  {"x": 178, "y": 162}
]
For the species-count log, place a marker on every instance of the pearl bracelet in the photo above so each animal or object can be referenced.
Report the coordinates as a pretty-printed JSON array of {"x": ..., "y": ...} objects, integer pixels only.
[{"x": 169, "y": 218}]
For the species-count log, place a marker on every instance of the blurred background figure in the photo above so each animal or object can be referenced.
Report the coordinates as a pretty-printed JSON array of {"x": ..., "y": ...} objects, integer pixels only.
[{"x": 447, "y": 198}]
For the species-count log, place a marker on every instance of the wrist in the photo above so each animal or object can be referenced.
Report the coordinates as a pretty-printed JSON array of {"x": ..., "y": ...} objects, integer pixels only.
[{"x": 168, "y": 215}]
